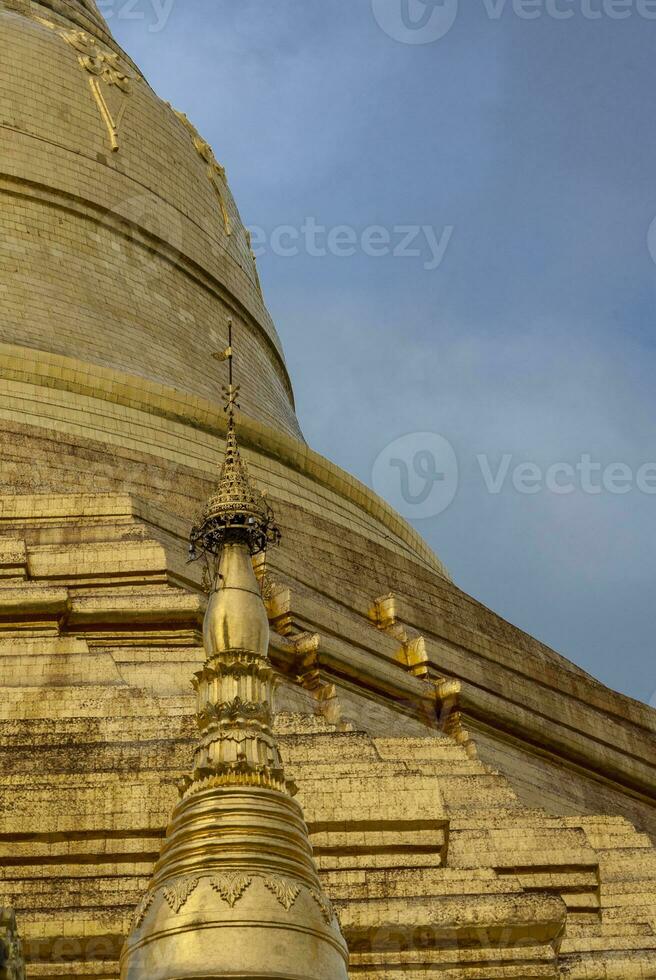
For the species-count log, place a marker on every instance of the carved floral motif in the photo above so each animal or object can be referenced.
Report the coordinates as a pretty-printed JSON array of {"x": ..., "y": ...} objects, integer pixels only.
[
  {"x": 142, "y": 909},
  {"x": 324, "y": 906},
  {"x": 233, "y": 710},
  {"x": 231, "y": 887},
  {"x": 285, "y": 891},
  {"x": 177, "y": 893}
]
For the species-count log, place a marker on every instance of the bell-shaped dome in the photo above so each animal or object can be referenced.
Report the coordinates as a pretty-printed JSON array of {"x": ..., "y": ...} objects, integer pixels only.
[
  {"x": 119, "y": 210},
  {"x": 236, "y": 890},
  {"x": 124, "y": 259}
]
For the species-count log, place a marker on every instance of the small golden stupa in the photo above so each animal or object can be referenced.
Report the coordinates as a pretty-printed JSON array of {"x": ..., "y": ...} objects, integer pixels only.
[{"x": 235, "y": 892}]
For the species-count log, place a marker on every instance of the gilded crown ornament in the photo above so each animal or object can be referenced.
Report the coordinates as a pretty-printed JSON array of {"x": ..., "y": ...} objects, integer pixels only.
[{"x": 236, "y": 510}]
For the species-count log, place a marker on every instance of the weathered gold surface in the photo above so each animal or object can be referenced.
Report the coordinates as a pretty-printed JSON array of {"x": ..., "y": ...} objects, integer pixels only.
[
  {"x": 429, "y": 855},
  {"x": 479, "y": 807}
]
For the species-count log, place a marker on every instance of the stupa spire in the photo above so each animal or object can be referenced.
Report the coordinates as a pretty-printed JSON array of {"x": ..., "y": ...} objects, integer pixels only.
[
  {"x": 235, "y": 891},
  {"x": 236, "y": 511}
]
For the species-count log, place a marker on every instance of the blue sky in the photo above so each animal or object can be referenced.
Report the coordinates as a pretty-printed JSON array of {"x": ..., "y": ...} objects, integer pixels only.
[{"x": 526, "y": 149}]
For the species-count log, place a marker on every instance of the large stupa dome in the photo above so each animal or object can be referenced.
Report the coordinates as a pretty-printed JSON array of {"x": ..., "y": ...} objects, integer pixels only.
[
  {"x": 127, "y": 249},
  {"x": 123, "y": 258}
]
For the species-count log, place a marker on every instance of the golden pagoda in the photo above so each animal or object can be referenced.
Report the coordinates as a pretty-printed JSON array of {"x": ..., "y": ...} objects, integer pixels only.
[
  {"x": 471, "y": 804},
  {"x": 235, "y": 891}
]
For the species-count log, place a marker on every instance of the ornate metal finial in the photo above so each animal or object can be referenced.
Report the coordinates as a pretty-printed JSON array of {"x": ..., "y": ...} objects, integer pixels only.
[{"x": 236, "y": 511}]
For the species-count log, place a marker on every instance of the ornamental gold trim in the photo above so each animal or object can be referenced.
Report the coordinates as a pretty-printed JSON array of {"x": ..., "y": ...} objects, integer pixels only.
[
  {"x": 105, "y": 68},
  {"x": 215, "y": 172},
  {"x": 142, "y": 909},
  {"x": 324, "y": 904},
  {"x": 284, "y": 890},
  {"x": 231, "y": 887},
  {"x": 177, "y": 894}
]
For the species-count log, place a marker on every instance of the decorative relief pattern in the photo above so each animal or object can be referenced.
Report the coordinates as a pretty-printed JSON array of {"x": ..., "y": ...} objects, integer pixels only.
[
  {"x": 249, "y": 242},
  {"x": 246, "y": 665},
  {"x": 104, "y": 64},
  {"x": 142, "y": 909},
  {"x": 324, "y": 906},
  {"x": 215, "y": 172},
  {"x": 231, "y": 887},
  {"x": 105, "y": 68},
  {"x": 233, "y": 710},
  {"x": 285, "y": 891},
  {"x": 177, "y": 893},
  {"x": 240, "y": 774},
  {"x": 208, "y": 580}
]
